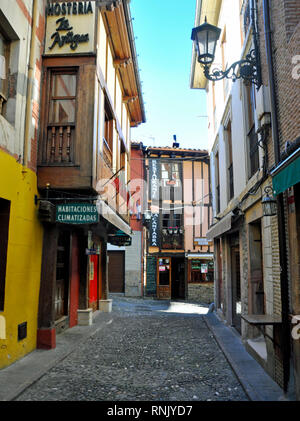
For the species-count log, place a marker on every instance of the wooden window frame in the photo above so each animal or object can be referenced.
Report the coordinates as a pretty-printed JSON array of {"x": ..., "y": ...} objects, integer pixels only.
[
  {"x": 53, "y": 71},
  {"x": 199, "y": 281},
  {"x": 230, "y": 175}
]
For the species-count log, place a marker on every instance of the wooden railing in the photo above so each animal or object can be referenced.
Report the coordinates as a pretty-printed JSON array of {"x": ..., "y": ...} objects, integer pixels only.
[{"x": 59, "y": 147}]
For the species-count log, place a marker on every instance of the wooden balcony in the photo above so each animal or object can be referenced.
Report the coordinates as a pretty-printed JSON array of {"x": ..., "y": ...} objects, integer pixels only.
[
  {"x": 172, "y": 239},
  {"x": 58, "y": 149}
]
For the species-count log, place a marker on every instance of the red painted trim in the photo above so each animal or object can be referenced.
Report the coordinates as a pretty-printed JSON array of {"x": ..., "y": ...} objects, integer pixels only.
[
  {"x": 93, "y": 289},
  {"x": 46, "y": 338},
  {"x": 25, "y": 11}
]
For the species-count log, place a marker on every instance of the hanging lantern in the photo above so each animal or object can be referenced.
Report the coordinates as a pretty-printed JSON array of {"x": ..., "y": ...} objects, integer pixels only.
[{"x": 269, "y": 204}]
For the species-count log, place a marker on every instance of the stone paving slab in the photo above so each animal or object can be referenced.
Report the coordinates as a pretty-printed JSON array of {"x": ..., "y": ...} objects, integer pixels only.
[
  {"x": 126, "y": 348},
  {"x": 15, "y": 378},
  {"x": 258, "y": 385},
  {"x": 162, "y": 353}
]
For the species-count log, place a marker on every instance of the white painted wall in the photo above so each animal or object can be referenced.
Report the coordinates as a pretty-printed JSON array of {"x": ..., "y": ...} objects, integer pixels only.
[{"x": 228, "y": 103}]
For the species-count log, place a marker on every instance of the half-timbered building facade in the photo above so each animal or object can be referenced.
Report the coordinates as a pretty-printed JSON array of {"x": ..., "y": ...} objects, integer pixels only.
[
  {"x": 179, "y": 257},
  {"x": 91, "y": 99}
]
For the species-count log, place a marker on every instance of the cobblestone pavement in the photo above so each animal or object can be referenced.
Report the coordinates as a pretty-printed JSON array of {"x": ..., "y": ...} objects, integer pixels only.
[{"x": 147, "y": 351}]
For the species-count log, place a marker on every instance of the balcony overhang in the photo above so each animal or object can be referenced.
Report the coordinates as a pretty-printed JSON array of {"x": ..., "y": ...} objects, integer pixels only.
[
  {"x": 200, "y": 256},
  {"x": 220, "y": 227},
  {"x": 106, "y": 212},
  {"x": 287, "y": 173},
  {"x": 211, "y": 10},
  {"x": 117, "y": 21}
]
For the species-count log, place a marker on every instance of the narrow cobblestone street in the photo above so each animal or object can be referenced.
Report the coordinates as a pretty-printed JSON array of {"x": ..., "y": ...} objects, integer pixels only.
[{"x": 147, "y": 350}]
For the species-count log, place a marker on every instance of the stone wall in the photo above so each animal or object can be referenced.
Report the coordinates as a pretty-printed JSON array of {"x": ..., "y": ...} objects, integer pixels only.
[{"x": 202, "y": 293}]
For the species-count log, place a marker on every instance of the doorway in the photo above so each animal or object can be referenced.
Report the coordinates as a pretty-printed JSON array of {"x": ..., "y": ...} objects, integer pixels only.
[
  {"x": 256, "y": 268},
  {"x": 164, "y": 278},
  {"x": 178, "y": 278},
  {"x": 236, "y": 288},
  {"x": 4, "y": 227},
  {"x": 62, "y": 276},
  {"x": 93, "y": 282},
  {"x": 236, "y": 303},
  {"x": 116, "y": 266}
]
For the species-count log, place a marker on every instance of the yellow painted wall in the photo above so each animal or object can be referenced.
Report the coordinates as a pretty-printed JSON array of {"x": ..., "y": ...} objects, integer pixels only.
[{"x": 23, "y": 259}]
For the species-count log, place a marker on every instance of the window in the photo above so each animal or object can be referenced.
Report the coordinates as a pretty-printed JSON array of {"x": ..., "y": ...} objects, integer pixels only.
[
  {"x": 228, "y": 136},
  {"x": 201, "y": 271},
  {"x": 62, "y": 91},
  {"x": 4, "y": 59},
  {"x": 217, "y": 177},
  {"x": 172, "y": 231},
  {"x": 245, "y": 17},
  {"x": 252, "y": 138},
  {"x": 4, "y": 226},
  {"x": 63, "y": 98},
  {"x": 171, "y": 181},
  {"x": 108, "y": 133}
]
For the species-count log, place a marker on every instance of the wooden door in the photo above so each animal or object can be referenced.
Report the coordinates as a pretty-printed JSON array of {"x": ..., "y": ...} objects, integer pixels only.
[
  {"x": 116, "y": 271},
  {"x": 164, "y": 278},
  {"x": 236, "y": 288},
  {"x": 93, "y": 286}
]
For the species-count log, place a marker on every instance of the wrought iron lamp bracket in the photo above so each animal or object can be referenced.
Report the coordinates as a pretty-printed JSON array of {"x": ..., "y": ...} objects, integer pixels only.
[{"x": 246, "y": 69}]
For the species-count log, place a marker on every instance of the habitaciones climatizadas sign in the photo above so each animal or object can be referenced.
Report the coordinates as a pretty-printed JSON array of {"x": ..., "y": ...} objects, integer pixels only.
[
  {"x": 77, "y": 213},
  {"x": 70, "y": 27}
]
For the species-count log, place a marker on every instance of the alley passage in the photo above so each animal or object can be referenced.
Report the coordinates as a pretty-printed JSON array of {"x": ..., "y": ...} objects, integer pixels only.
[{"x": 146, "y": 350}]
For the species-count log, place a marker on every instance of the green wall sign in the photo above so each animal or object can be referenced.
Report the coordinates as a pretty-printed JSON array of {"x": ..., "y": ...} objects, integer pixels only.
[{"x": 77, "y": 213}]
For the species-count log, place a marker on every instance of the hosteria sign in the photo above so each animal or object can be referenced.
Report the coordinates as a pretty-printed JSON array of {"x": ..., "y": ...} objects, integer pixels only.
[
  {"x": 77, "y": 213},
  {"x": 70, "y": 27}
]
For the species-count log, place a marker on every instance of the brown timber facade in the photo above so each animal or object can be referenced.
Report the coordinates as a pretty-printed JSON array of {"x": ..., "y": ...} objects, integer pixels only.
[
  {"x": 91, "y": 98},
  {"x": 179, "y": 257}
]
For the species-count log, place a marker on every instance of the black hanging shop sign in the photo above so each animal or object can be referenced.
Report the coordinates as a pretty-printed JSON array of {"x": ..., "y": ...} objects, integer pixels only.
[{"x": 119, "y": 239}]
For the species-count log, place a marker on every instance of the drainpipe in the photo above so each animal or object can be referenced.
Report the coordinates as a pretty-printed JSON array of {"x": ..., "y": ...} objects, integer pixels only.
[
  {"x": 280, "y": 205},
  {"x": 28, "y": 116}
]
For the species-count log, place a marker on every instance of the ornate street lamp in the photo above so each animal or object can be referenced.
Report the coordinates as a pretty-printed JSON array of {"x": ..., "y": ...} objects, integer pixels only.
[
  {"x": 269, "y": 204},
  {"x": 205, "y": 39}
]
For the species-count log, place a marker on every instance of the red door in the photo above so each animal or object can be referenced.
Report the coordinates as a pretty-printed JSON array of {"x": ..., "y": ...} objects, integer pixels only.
[{"x": 93, "y": 287}]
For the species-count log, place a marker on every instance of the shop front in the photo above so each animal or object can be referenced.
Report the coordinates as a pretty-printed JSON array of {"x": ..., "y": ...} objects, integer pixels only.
[
  {"x": 74, "y": 264},
  {"x": 200, "y": 277},
  {"x": 170, "y": 277}
]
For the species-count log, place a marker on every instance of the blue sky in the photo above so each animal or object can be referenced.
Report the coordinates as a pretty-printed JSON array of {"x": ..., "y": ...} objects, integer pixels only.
[{"x": 162, "y": 29}]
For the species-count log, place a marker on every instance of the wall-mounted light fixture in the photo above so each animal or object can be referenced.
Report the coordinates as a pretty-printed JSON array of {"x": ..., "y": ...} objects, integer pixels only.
[
  {"x": 205, "y": 39},
  {"x": 147, "y": 217},
  {"x": 269, "y": 204}
]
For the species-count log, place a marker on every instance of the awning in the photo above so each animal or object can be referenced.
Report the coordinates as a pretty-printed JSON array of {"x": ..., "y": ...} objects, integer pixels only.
[
  {"x": 110, "y": 215},
  {"x": 220, "y": 227},
  {"x": 287, "y": 173},
  {"x": 203, "y": 256}
]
